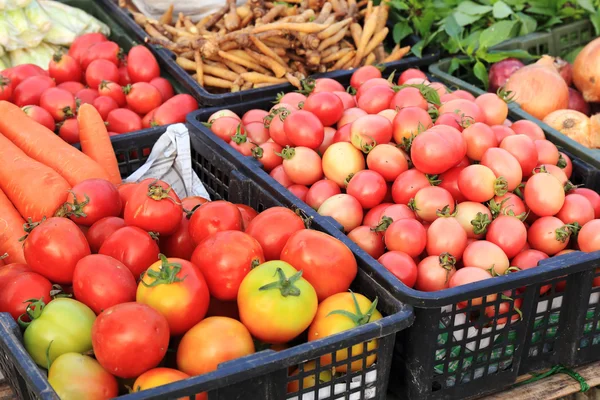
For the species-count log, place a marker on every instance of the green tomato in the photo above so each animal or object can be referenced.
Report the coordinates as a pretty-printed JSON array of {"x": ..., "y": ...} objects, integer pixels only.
[
  {"x": 62, "y": 326},
  {"x": 74, "y": 376}
]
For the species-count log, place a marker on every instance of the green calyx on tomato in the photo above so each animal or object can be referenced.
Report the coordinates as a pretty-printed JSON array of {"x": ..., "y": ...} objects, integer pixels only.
[
  {"x": 348, "y": 179},
  {"x": 500, "y": 186},
  {"x": 30, "y": 226},
  {"x": 308, "y": 85},
  {"x": 570, "y": 186},
  {"x": 282, "y": 112},
  {"x": 412, "y": 204},
  {"x": 154, "y": 235},
  {"x": 384, "y": 223},
  {"x": 480, "y": 223},
  {"x": 562, "y": 163},
  {"x": 33, "y": 311},
  {"x": 284, "y": 284},
  {"x": 287, "y": 153},
  {"x": 74, "y": 209},
  {"x": 257, "y": 152},
  {"x": 158, "y": 193},
  {"x": 446, "y": 213},
  {"x": 447, "y": 261},
  {"x": 166, "y": 274},
  {"x": 127, "y": 89},
  {"x": 566, "y": 231},
  {"x": 434, "y": 180},
  {"x": 358, "y": 317}
]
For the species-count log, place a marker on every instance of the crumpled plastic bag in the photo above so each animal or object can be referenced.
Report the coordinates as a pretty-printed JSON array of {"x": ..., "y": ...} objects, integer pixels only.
[
  {"x": 171, "y": 161},
  {"x": 194, "y": 9}
]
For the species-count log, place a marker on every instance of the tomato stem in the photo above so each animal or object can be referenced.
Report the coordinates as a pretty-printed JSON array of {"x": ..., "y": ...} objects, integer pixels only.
[
  {"x": 284, "y": 284},
  {"x": 570, "y": 186},
  {"x": 519, "y": 191},
  {"x": 29, "y": 226},
  {"x": 412, "y": 204},
  {"x": 287, "y": 153},
  {"x": 383, "y": 224},
  {"x": 358, "y": 317},
  {"x": 562, "y": 163},
  {"x": 257, "y": 152},
  {"x": 348, "y": 178},
  {"x": 480, "y": 223},
  {"x": 446, "y": 213},
  {"x": 74, "y": 209},
  {"x": 166, "y": 274},
  {"x": 308, "y": 85},
  {"x": 433, "y": 179},
  {"x": 34, "y": 310},
  {"x": 447, "y": 261},
  {"x": 58, "y": 292},
  {"x": 500, "y": 186}
]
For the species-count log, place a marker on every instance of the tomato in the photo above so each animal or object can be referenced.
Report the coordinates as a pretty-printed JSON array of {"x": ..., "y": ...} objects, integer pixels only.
[
  {"x": 505, "y": 308},
  {"x": 302, "y": 165},
  {"x": 411, "y": 73},
  {"x": 101, "y": 70},
  {"x": 109, "y": 51},
  {"x": 388, "y": 114},
  {"x": 524, "y": 150},
  {"x": 565, "y": 164},
  {"x": 340, "y": 160},
  {"x": 350, "y": 115},
  {"x": 363, "y": 74},
  {"x": 124, "y": 78},
  {"x": 142, "y": 65},
  {"x": 474, "y": 218},
  {"x": 309, "y": 381},
  {"x": 509, "y": 204},
  {"x": 161, "y": 376},
  {"x": 10, "y": 271},
  {"x": 370, "y": 130},
  {"x": 407, "y": 184},
  {"x": 61, "y": 326},
  {"x": 327, "y": 85},
  {"x": 593, "y": 198},
  {"x": 401, "y": 265},
  {"x": 388, "y": 161},
  {"x": 449, "y": 181},
  {"x": 544, "y": 194},
  {"x": 329, "y": 135},
  {"x": 255, "y": 115},
  {"x": 576, "y": 208},
  {"x": 505, "y": 165},
  {"x": 257, "y": 132},
  {"x": 486, "y": 255},
  {"x": 530, "y": 259},
  {"x": 326, "y": 106},
  {"x": 528, "y": 128},
  {"x": 345, "y": 209},
  {"x": 127, "y": 189},
  {"x": 164, "y": 87},
  {"x": 123, "y": 120},
  {"x": 368, "y": 240},
  {"x": 41, "y": 116},
  {"x": 142, "y": 97},
  {"x": 508, "y": 233},
  {"x": 6, "y": 88},
  {"x": 439, "y": 87},
  {"x": 374, "y": 217},
  {"x": 339, "y": 313},
  {"x": 479, "y": 138},
  {"x": 429, "y": 151},
  {"x": 80, "y": 45},
  {"x": 68, "y": 130},
  {"x": 549, "y": 234},
  {"x": 320, "y": 256},
  {"x": 54, "y": 247},
  {"x": 495, "y": 109},
  {"x": 303, "y": 128},
  {"x": 375, "y": 99},
  {"x": 429, "y": 200},
  {"x": 59, "y": 103},
  {"x": 406, "y": 235},
  {"x": 71, "y": 87},
  {"x": 434, "y": 273},
  {"x": 547, "y": 152},
  {"x": 410, "y": 122},
  {"x": 446, "y": 235},
  {"x": 104, "y": 105},
  {"x": 478, "y": 183},
  {"x": 452, "y": 120},
  {"x": 19, "y": 73},
  {"x": 154, "y": 207},
  {"x": 21, "y": 287},
  {"x": 213, "y": 217},
  {"x": 321, "y": 191},
  {"x": 91, "y": 200},
  {"x": 101, "y": 282},
  {"x": 278, "y": 173},
  {"x": 211, "y": 342},
  {"x": 130, "y": 339},
  {"x": 368, "y": 187},
  {"x": 101, "y": 230},
  {"x": 242, "y": 144},
  {"x": 64, "y": 68},
  {"x": 227, "y": 127},
  {"x": 294, "y": 99},
  {"x": 588, "y": 239},
  {"x": 86, "y": 96},
  {"x": 467, "y": 110},
  {"x": 30, "y": 90},
  {"x": 275, "y": 123},
  {"x": 501, "y": 132},
  {"x": 408, "y": 97},
  {"x": 75, "y": 376},
  {"x": 133, "y": 247},
  {"x": 114, "y": 91},
  {"x": 467, "y": 275},
  {"x": 272, "y": 228},
  {"x": 266, "y": 154},
  {"x": 348, "y": 100}
]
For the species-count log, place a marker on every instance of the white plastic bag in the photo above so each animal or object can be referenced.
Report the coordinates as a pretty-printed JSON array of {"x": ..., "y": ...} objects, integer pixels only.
[{"x": 194, "y": 9}]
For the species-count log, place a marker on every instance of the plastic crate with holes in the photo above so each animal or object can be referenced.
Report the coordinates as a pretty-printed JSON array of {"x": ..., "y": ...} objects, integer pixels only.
[
  {"x": 559, "y": 42},
  {"x": 296, "y": 373},
  {"x": 461, "y": 346}
]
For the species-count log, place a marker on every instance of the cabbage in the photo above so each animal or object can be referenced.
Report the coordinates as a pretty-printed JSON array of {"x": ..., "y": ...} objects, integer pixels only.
[
  {"x": 73, "y": 19},
  {"x": 40, "y": 56},
  {"x": 16, "y": 20},
  {"x": 38, "y": 17},
  {"x": 4, "y": 62}
]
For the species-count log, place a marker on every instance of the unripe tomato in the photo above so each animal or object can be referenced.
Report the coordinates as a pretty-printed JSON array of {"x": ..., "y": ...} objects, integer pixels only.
[{"x": 75, "y": 376}]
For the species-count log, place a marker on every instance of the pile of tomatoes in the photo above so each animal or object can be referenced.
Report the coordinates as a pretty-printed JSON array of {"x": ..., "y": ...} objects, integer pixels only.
[
  {"x": 437, "y": 185},
  {"x": 127, "y": 273},
  {"x": 126, "y": 89}
]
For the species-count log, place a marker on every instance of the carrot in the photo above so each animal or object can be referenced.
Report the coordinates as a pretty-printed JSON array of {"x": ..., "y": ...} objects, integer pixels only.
[
  {"x": 35, "y": 189},
  {"x": 41, "y": 144},
  {"x": 11, "y": 230},
  {"x": 95, "y": 141}
]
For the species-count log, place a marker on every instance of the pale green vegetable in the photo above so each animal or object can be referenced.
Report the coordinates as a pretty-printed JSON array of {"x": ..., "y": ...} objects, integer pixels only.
[
  {"x": 74, "y": 19},
  {"x": 38, "y": 17},
  {"x": 16, "y": 20},
  {"x": 40, "y": 56},
  {"x": 4, "y": 62}
]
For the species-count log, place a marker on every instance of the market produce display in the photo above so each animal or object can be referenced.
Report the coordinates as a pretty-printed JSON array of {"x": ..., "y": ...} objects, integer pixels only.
[
  {"x": 263, "y": 43},
  {"x": 436, "y": 185}
]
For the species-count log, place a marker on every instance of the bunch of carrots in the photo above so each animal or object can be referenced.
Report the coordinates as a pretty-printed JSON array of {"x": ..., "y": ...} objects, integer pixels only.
[{"x": 38, "y": 169}]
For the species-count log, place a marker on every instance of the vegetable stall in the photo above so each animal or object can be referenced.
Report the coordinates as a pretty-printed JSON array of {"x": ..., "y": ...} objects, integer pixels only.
[{"x": 276, "y": 200}]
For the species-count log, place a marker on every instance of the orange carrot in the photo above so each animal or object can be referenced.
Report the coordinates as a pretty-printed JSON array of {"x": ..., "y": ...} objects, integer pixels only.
[
  {"x": 11, "y": 230},
  {"x": 41, "y": 144},
  {"x": 35, "y": 189},
  {"x": 95, "y": 141}
]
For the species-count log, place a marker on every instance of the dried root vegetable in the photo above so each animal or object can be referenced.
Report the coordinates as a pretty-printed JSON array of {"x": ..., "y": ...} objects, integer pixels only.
[{"x": 266, "y": 42}]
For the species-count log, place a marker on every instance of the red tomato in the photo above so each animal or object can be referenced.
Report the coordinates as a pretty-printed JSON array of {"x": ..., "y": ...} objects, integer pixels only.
[
  {"x": 478, "y": 183},
  {"x": 227, "y": 127},
  {"x": 68, "y": 130},
  {"x": 294, "y": 99},
  {"x": 509, "y": 204},
  {"x": 350, "y": 115},
  {"x": 463, "y": 94},
  {"x": 588, "y": 239},
  {"x": 566, "y": 164},
  {"x": 124, "y": 78},
  {"x": 467, "y": 275},
  {"x": 91, "y": 200},
  {"x": 278, "y": 173},
  {"x": 474, "y": 218},
  {"x": 446, "y": 235},
  {"x": 528, "y": 128},
  {"x": 429, "y": 200},
  {"x": 30, "y": 90},
  {"x": 347, "y": 99},
  {"x": 133, "y": 247},
  {"x": 114, "y": 91},
  {"x": 86, "y": 96},
  {"x": 495, "y": 109},
  {"x": 452, "y": 120},
  {"x": 101, "y": 282},
  {"x": 411, "y": 73},
  {"x": 257, "y": 132},
  {"x": 266, "y": 154},
  {"x": 406, "y": 235},
  {"x": 41, "y": 116},
  {"x": 6, "y": 88},
  {"x": 154, "y": 207},
  {"x": 369, "y": 131},
  {"x": 321, "y": 191},
  {"x": 19, "y": 289},
  {"x": 487, "y": 256},
  {"x": 467, "y": 110},
  {"x": 505, "y": 165},
  {"x": 407, "y": 184},
  {"x": 501, "y": 132},
  {"x": 363, "y": 74},
  {"x": 508, "y": 233},
  {"x": 368, "y": 187},
  {"x": 142, "y": 65},
  {"x": 401, "y": 265},
  {"x": 101, "y": 230},
  {"x": 213, "y": 217},
  {"x": 80, "y": 45},
  {"x": 576, "y": 208},
  {"x": 408, "y": 97},
  {"x": 191, "y": 203},
  {"x": 343, "y": 208},
  {"x": 327, "y": 107},
  {"x": 142, "y": 97},
  {"x": 344, "y": 134},
  {"x": 126, "y": 190},
  {"x": 299, "y": 191},
  {"x": 376, "y": 99},
  {"x": 524, "y": 150},
  {"x": 164, "y": 87},
  {"x": 59, "y": 103},
  {"x": 104, "y": 105},
  {"x": 368, "y": 240},
  {"x": 327, "y": 85},
  {"x": 544, "y": 194},
  {"x": 303, "y": 128},
  {"x": 437, "y": 150},
  {"x": 101, "y": 70},
  {"x": 54, "y": 247},
  {"x": 109, "y": 51},
  {"x": 388, "y": 161},
  {"x": 530, "y": 259},
  {"x": 302, "y": 165},
  {"x": 320, "y": 256},
  {"x": 175, "y": 110},
  {"x": 434, "y": 273},
  {"x": 71, "y": 87},
  {"x": 129, "y": 339},
  {"x": 372, "y": 83},
  {"x": 272, "y": 228},
  {"x": 479, "y": 137},
  {"x": 547, "y": 152},
  {"x": 21, "y": 72},
  {"x": 9, "y": 271},
  {"x": 449, "y": 181},
  {"x": 255, "y": 115},
  {"x": 329, "y": 134},
  {"x": 123, "y": 120},
  {"x": 374, "y": 215},
  {"x": 593, "y": 198},
  {"x": 549, "y": 234}
]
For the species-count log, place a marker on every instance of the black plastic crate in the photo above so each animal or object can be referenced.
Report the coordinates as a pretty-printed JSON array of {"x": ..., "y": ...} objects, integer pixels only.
[
  {"x": 449, "y": 352},
  {"x": 265, "y": 374},
  {"x": 430, "y": 56}
]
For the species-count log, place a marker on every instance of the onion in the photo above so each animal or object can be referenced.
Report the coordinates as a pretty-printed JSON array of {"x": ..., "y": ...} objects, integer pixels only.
[
  {"x": 564, "y": 69},
  {"x": 576, "y": 102},
  {"x": 586, "y": 71},
  {"x": 571, "y": 123},
  {"x": 501, "y": 71},
  {"x": 538, "y": 88},
  {"x": 595, "y": 131}
]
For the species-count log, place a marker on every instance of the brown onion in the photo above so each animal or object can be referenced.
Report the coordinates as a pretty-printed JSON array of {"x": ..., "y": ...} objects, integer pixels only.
[
  {"x": 595, "y": 131},
  {"x": 586, "y": 71},
  {"x": 538, "y": 88},
  {"x": 571, "y": 123}
]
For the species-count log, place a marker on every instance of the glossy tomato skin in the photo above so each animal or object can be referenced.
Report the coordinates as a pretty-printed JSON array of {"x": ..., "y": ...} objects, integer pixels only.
[
  {"x": 68, "y": 130},
  {"x": 370, "y": 130},
  {"x": 327, "y": 85},
  {"x": 75, "y": 376},
  {"x": 263, "y": 311},
  {"x": 83, "y": 43},
  {"x": 544, "y": 194},
  {"x": 509, "y": 233},
  {"x": 16, "y": 292},
  {"x": 29, "y": 91},
  {"x": 114, "y": 91},
  {"x": 225, "y": 258},
  {"x": 154, "y": 207},
  {"x": 174, "y": 110},
  {"x": 179, "y": 244},
  {"x": 345, "y": 209},
  {"x": 401, "y": 265},
  {"x": 142, "y": 65},
  {"x": 41, "y": 116},
  {"x": 429, "y": 200},
  {"x": 161, "y": 376},
  {"x": 122, "y": 120},
  {"x": 487, "y": 256},
  {"x": 363, "y": 74},
  {"x": 429, "y": 150},
  {"x": 10, "y": 271},
  {"x": 530, "y": 258},
  {"x": 446, "y": 235},
  {"x": 216, "y": 216},
  {"x": 588, "y": 238},
  {"x": 104, "y": 201},
  {"x": 303, "y": 128},
  {"x": 368, "y": 240},
  {"x": 432, "y": 276},
  {"x": 368, "y": 187},
  {"x": 177, "y": 289},
  {"x": 54, "y": 247},
  {"x": 101, "y": 70},
  {"x": 406, "y": 235},
  {"x": 340, "y": 160},
  {"x": 326, "y": 106},
  {"x": 467, "y": 275},
  {"x": 319, "y": 255},
  {"x": 101, "y": 282},
  {"x": 326, "y": 324},
  {"x": 142, "y": 97},
  {"x": 272, "y": 228},
  {"x": 59, "y": 103},
  {"x": 292, "y": 98},
  {"x": 164, "y": 87},
  {"x": 577, "y": 208},
  {"x": 211, "y": 342},
  {"x": 593, "y": 197},
  {"x": 64, "y": 323},
  {"x": 101, "y": 230},
  {"x": 133, "y": 247},
  {"x": 407, "y": 184},
  {"x": 388, "y": 161}
]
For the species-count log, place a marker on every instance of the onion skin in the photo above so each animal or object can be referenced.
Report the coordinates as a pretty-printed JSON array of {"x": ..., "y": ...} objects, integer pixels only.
[
  {"x": 571, "y": 123},
  {"x": 501, "y": 71},
  {"x": 539, "y": 89},
  {"x": 595, "y": 131},
  {"x": 586, "y": 71},
  {"x": 577, "y": 103}
]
